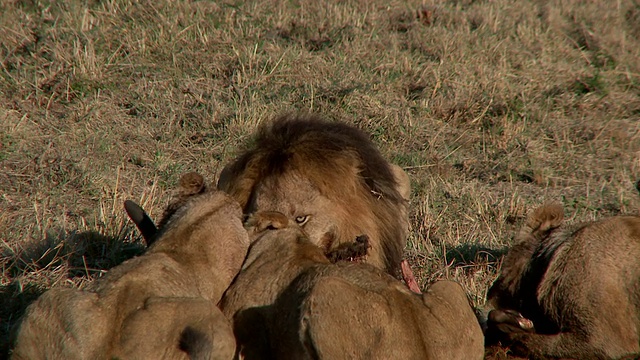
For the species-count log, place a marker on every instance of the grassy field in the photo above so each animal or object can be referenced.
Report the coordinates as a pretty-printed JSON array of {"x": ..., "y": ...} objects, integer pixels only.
[{"x": 492, "y": 107}]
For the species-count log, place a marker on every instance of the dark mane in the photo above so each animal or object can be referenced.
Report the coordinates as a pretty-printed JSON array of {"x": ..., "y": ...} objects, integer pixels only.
[{"x": 292, "y": 141}]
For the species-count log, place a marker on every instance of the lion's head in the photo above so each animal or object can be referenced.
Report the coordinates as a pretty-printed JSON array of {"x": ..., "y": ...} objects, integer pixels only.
[{"x": 327, "y": 177}]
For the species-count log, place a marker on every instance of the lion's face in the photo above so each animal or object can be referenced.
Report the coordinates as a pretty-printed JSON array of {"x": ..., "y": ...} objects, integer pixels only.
[
  {"x": 330, "y": 218},
  {"x": 303, "y": 204},
  {"x": 329, "y": 178}
]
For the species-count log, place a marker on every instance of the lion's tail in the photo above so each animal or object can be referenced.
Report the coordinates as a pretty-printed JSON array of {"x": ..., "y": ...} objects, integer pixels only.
[{"x": 142, "y": 220}]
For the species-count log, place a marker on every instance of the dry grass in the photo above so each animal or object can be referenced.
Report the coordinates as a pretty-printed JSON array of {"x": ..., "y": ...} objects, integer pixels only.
[{"x": 492, "y": 107}]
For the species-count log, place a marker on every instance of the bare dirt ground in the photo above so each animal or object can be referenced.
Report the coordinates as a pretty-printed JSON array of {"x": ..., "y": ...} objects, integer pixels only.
[{"x": 492, "y": 107}]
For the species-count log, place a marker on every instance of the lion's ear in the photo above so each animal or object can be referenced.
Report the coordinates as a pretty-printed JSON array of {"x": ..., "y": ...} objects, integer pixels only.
[
  {"x": 192, "y": 183},
  {"x": 402, "y": 181},
  {"x": 545, "y": 218},
  {"x": 266, "y": 220}
]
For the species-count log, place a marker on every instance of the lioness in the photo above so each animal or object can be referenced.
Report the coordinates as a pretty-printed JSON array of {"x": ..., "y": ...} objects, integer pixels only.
[
  {"x": 159, "y": 305},
  {"x": 330, "y": 179},
  {"x": 290, "y": 302},
  {"x": 190, "y": 184},
  {"x": 580, "y": 285}
]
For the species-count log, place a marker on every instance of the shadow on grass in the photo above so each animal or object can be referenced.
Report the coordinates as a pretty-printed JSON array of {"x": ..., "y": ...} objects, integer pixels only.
[
  {"x": 471, "y": 254},
  {"x": 31, "y": 270}
]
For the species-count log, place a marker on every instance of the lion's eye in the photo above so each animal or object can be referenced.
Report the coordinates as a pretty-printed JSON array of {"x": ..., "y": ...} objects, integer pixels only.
[{"x": 301, "y": 220}]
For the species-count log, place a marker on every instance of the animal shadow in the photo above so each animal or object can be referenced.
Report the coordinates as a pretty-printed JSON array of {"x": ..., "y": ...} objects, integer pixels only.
[
  {"x": 474, "y": 254},
  {"x": 470, "y": 254}
]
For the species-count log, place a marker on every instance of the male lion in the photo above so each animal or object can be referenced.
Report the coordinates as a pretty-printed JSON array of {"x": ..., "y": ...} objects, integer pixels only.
[
  {"x": 329, "y": 178},
  {"x": 159, "y": 305},
  {"x": 290, "y": 302},
  {"x": 579, "y": 285}
]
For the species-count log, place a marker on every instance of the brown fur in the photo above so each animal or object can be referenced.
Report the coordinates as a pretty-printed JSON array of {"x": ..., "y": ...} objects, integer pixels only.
[
  {"x": 191, "y": 184},
  {"x": 331, "y": 178},
  {"x": 580, "y": 285},
  {"x": 159, "y": 305},
  {"x": 290, "y": 302}
]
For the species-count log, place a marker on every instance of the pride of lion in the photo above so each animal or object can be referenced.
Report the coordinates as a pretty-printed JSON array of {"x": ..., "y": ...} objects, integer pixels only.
[{"x": 298, "y": 254}]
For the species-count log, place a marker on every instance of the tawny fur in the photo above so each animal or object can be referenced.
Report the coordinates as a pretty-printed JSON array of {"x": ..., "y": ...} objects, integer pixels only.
[
  {"x": 331, "y": 179},
  {"x": 290, "y": 302},
  {"x": 580, "y": 285},
  {"x": 191, "y": 184},
  {"x": 160, "y": 305}
]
